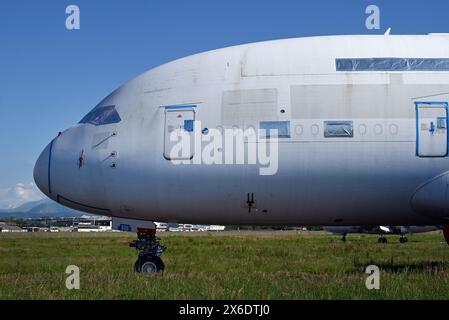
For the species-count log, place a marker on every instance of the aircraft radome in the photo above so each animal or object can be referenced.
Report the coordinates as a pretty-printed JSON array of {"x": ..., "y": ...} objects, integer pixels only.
[{"x": 335, "y": 131}]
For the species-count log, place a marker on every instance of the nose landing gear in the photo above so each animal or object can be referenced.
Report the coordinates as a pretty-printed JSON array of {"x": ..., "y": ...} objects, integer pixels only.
[
  {"x": 150, "y": 250},
  {"x": 382, "y": 239}
]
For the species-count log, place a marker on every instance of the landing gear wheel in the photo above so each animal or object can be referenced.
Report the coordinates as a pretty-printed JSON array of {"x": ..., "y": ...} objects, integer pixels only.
[
  {"x": 382, "y": 240},
  {"x": 150, "y": 249},
  {"x": 149, "y": 265},
  {"x": 403, "y": 240},
  {"x": 343, "y": 238}
]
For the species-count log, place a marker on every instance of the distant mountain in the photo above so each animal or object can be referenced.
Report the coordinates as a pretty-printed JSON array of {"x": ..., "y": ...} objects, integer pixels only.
[
  {"x": 26, "y": 206},
  {"x": 40, "y": 209}
]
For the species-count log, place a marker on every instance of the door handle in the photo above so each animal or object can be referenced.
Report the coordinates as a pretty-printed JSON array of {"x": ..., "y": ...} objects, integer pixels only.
[{"x": 432, "y": 127}]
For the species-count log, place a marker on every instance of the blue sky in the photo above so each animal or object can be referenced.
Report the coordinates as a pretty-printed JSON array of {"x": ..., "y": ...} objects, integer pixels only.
[{"x": 50, "y": 77}]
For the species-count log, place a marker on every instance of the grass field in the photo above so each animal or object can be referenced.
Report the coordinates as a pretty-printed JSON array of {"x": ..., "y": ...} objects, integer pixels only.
[{"x": 229, "y": 265}]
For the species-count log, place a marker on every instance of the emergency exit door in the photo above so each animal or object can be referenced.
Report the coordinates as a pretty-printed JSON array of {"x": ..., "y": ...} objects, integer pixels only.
[
  {"x": 179, "y": 133},
  {"x": 431, "y": 126}
]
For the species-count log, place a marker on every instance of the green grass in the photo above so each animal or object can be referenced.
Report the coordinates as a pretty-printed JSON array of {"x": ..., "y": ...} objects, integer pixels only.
[{"x": 230, "y": 265}]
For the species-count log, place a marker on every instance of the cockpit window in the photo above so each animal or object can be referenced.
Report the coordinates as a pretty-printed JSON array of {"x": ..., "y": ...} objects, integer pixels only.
[{"x": 102, "y": 115}]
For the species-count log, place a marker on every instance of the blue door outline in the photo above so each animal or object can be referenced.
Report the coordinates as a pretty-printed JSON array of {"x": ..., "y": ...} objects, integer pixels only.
[{"x": 431, "y": 103}]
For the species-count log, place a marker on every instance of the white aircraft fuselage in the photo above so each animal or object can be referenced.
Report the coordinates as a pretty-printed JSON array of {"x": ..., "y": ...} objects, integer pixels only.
[{"x": 364, "y": 123}]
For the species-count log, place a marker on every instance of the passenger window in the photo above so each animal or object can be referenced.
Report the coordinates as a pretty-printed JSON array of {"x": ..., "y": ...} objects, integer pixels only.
[
  {"x": 282, "y": 127},
  {"x": 392, "y": 64},
  {"x": 338, "y": 129}
]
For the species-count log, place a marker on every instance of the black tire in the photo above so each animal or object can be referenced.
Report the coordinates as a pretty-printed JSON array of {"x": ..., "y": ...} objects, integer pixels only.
[
  {"x": 403, "y": 240},
  {"x": 382, "y": 240},
  {"x": 160, "y": 264},
  {"x": 147, "y": 263},
  {"x": 137, "y": 265}
]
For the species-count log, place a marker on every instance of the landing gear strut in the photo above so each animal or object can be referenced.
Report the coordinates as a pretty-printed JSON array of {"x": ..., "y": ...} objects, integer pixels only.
[
  {"x": 343, "y": 238},
  {"x": 403, "y": 239},
  {"x": 150, "y": 250}
]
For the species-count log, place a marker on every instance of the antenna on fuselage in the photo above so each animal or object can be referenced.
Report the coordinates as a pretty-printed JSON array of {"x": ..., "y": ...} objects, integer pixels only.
[{"x": 387, "y": 33}]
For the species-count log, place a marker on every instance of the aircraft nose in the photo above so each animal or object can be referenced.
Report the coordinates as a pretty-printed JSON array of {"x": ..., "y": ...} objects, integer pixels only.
[{"x": 41, "y": 171}]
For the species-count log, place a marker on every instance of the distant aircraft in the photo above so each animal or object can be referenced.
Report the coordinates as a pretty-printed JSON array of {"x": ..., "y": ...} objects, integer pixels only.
[
  {"x": 356, "y": 127},
  {"x": 382, "y": 231}
]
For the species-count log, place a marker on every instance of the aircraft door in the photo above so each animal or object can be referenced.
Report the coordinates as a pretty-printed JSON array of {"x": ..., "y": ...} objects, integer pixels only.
[
  {"x": 179, "y": 133},
  {"x": 431, "y": 126}
]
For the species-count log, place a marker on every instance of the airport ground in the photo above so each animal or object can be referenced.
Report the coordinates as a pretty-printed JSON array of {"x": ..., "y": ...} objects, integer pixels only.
[{"x": 227, "y": 265}]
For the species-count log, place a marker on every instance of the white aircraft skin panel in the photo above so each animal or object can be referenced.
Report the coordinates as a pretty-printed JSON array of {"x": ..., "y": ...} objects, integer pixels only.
[
  {"x": 359, "y": 101},
  {"x": 365, "y": 180}
]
